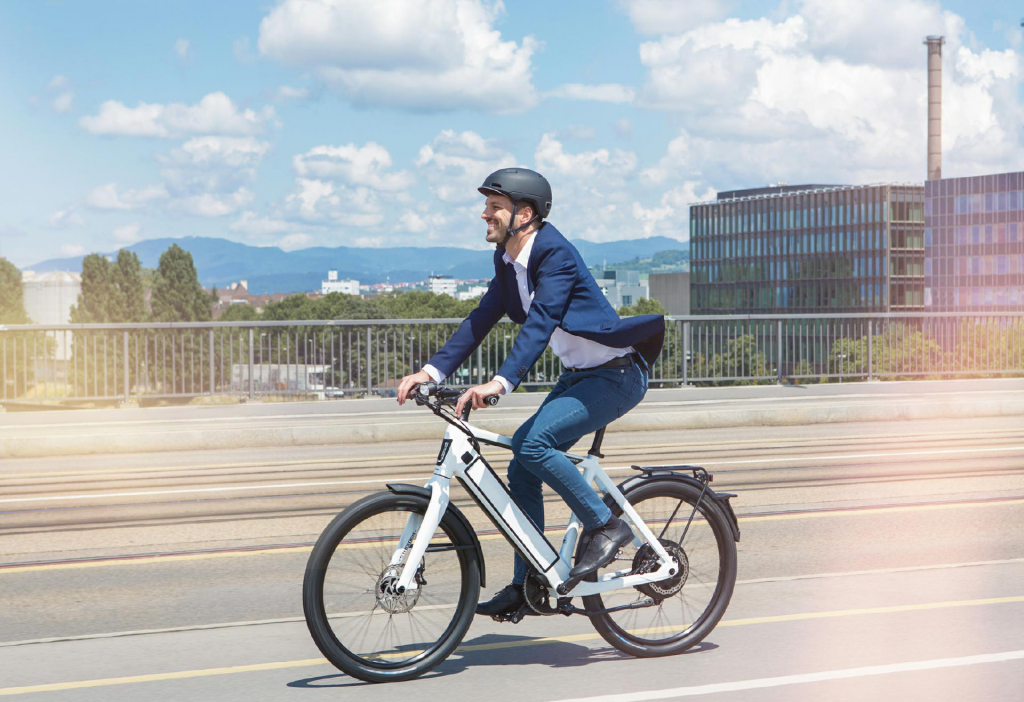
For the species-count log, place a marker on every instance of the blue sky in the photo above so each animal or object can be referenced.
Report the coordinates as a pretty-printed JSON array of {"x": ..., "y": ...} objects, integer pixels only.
[{"x": 326, "y": 122}]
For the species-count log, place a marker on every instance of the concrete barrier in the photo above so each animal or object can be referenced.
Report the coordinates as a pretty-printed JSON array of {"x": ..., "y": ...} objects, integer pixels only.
[{"x": 185, "y": 434}]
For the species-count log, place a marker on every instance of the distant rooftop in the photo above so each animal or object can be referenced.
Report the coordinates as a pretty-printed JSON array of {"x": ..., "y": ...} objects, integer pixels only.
[{"x": 771, "y": 190}]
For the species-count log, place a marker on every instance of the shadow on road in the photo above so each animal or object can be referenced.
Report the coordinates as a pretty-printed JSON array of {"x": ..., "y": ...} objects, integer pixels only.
[{"x": 504, "y": 650}]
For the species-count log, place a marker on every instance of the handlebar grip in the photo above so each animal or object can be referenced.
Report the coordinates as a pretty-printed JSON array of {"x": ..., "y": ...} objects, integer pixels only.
[{"x": 491, "y": 400}]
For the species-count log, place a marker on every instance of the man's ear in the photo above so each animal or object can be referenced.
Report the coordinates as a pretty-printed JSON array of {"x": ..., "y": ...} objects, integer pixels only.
[{"x": 526, "y": 210}]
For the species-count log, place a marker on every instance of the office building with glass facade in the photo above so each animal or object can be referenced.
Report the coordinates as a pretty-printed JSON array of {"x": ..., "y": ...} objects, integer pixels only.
[
  {"x": 808, "y": 248},
  {"x": 974, "y": 243}
]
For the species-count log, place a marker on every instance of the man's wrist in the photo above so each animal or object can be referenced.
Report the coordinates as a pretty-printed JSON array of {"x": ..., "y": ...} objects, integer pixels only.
[
  {"x": 505, "y": 385},
  {"x": 434, "y": 373}
]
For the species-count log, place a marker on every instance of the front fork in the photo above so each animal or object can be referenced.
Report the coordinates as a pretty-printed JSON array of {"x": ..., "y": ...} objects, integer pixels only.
[{"x": 418, "y": 532}]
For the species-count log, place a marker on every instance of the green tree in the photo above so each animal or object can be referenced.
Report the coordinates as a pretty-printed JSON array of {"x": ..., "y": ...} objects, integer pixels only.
[
  {"x": 642, "y": 306},
  {"x": 12, "y": 300},
  {"x": 177, "y": 294},
  {"x": 131, "y": 296},
  {"x": 112, "y": 291},
  {"x": 239, "y": 313},
  {"x": 97, "y": 300}
]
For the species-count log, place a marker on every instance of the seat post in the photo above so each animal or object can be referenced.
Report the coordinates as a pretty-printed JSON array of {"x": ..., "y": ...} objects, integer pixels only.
[{"x": 595, "y": 449}]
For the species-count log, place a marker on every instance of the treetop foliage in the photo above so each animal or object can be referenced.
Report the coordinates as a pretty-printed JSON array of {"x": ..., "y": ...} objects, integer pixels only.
[
  {"x": 112, "y": 291},
  {"x": 177, "y": 294},
  {"x": 12, "y": 300}
]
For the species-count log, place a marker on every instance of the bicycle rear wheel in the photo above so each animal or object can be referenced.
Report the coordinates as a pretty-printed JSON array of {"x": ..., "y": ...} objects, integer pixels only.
[
  {"x": 353, "y": 613},
  {"x": 689, "y": 605}
]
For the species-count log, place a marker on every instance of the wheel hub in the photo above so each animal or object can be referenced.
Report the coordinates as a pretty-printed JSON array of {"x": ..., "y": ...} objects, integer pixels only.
[
  {"x": 388, "y": 597},
  {"x": 646, "y": 561}
]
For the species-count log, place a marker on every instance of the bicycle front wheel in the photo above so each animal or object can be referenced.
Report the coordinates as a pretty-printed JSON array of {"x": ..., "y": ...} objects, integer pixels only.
[
  {"x": 355, "y": 616},
  {"x": 688, "y": 606}
]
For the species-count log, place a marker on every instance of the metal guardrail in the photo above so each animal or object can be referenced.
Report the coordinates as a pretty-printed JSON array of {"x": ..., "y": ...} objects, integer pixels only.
[{"x": 73, "y": 363}]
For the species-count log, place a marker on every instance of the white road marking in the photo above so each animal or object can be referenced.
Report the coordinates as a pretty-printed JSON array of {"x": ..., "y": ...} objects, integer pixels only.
[
  {"x": 760, "y": 683},
  {"x": 272, "y": 486},
  {"x": 289, "y": 620}
]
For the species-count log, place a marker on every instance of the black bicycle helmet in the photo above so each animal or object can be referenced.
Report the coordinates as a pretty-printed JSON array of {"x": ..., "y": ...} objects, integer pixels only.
[{"x": 521, "y": 184}]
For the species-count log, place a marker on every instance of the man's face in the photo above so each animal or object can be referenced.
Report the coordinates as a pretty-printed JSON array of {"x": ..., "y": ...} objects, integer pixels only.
[{"x": 497, "y": 211}]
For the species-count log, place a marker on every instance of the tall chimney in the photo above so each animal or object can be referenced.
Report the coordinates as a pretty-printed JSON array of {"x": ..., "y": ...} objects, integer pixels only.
[{"x": 934, "y": 106}]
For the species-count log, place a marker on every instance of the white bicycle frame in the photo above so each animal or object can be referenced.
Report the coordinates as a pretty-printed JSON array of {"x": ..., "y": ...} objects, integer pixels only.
[{"x": 459, "y": 459}]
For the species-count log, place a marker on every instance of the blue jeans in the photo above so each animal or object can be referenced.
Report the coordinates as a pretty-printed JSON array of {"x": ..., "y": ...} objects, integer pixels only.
[{"x": 580, "y": 403}]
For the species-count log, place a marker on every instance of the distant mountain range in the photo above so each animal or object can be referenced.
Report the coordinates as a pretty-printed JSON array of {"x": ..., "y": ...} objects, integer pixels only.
[{"x": 269, "y": 269}]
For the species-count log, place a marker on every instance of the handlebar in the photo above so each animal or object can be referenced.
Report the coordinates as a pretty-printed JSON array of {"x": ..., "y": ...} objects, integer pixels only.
[{"x": 447, "y": 396}]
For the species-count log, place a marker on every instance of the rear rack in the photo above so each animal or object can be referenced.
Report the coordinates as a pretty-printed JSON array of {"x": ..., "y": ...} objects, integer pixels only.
[{"x": 698, "y": 473}]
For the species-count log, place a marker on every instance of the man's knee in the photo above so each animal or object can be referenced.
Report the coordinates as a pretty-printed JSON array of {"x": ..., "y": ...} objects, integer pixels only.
[{"x": 530, "y": 451}]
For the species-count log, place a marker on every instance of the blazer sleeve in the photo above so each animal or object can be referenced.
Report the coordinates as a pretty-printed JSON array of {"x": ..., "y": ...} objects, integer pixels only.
[
  {"x": 556, "y": 277},
  {"x": 471, "y": 332}
]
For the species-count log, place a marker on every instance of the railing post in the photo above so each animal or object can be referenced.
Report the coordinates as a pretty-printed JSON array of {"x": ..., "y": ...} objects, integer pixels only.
[
  {"x": 778, "y": 351},
  {"x": 369, "y": 375},
  {"x": 127, "y": 389},
  {"x": 479, "y": 364},
  {"x": 252, "y": 368},
  {"x": 686, "y": 353},
  {"x": 213, "y": 384},
  {"x": 871, "y": 348}
]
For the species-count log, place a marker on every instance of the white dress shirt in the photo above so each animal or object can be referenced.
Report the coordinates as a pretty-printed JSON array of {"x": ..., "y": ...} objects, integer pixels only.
[{"x": 573, "y": 351}]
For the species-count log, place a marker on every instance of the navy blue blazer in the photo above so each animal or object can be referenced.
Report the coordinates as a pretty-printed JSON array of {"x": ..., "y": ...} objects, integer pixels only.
[{"x": 565, "y": 295}]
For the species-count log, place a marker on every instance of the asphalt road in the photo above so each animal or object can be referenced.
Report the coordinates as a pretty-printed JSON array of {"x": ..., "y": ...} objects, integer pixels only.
[{"x": 878, "y": 561}]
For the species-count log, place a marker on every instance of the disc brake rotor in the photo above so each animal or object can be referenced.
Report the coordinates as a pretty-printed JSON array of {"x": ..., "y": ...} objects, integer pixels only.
[
  {"x": 388, "y": 598},
  {"x": 646, "y": 561}
]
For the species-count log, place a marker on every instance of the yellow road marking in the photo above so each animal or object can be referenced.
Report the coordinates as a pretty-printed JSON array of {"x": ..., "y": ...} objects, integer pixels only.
[
  {"x": 590, "y": 636},
  {"x": 417, "y": 457},
  {"x": 174, "y": 558}
]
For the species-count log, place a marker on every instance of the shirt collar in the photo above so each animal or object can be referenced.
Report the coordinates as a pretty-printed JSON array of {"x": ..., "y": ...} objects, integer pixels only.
[{"x": 523, "y": 259}]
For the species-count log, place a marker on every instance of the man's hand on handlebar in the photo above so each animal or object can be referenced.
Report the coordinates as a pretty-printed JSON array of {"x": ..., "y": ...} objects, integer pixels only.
[
  {"x": 477, "y": 395},
  {"x": 409, "y": 383}
]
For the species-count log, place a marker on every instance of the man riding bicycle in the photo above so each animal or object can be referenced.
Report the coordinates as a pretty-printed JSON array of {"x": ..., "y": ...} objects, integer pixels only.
[{"x": 541, "y": 282}]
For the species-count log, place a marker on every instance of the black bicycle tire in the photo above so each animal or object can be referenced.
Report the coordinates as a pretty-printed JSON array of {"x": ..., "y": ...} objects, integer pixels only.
[
  {"x": 313, "y": 600},
  {"x": 633, "y": 645}
]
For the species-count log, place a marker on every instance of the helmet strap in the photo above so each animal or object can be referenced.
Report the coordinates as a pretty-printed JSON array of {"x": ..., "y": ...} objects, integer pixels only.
[{"x": 510, "y": 232}]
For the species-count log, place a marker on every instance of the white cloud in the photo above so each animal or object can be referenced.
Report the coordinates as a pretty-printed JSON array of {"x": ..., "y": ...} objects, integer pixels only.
[
  {"x": 212, "y": 164},
  {"x": 320, "y": 202},
  {"x": 128, "y": 234},
  {"x": 72, "y": 249},
  {"x": 295, "y": 241},
  {"x": 62, "y": 103},
  {"x": 182, "y": 47},
  {"x": 795, "y": 100},
  {"x": 107, "y": 197},
  {"x": 423, "y": 221},
  {"x": 58, "y": 82},
  {"x": 287, "y": 92},
  {"x": 880, "y": 32},
  {"x": 623, "y": 128},
  {"x": 605, "y": 92},
  {"x": 214, "y": 204},
  {"x": 669, "y": 218},
  {"x": 590, "y": 189},
  {"x": 214, "y": 114},
  {"x": 672, "y": 16},
  {"x": 418, "y": 54},
  {"x": 456, "y": 163},
  {"x": 255, "y": 225},
  {"x": 356, "y": 165},
  {"x": 552, "y": 157},
  {"x": 64, "y": 219}
]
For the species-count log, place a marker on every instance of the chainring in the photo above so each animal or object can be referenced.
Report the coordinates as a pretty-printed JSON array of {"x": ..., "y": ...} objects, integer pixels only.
[
  {"x": 538, "y": 597},
  {"x": 646, "y": 561}
]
